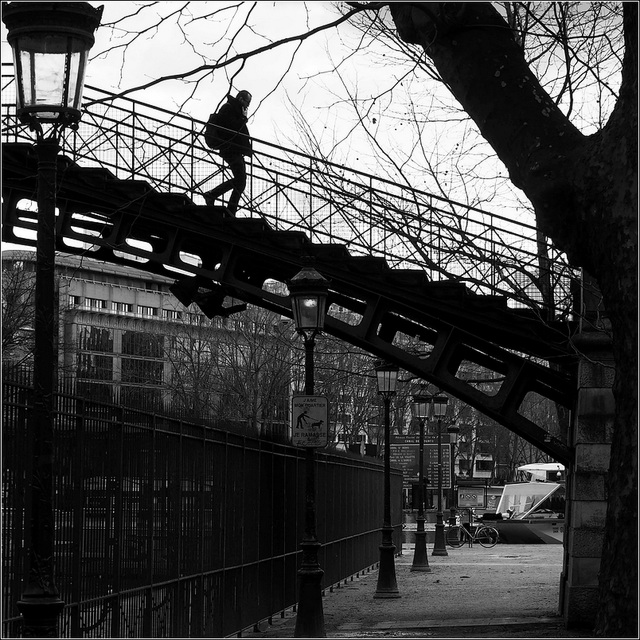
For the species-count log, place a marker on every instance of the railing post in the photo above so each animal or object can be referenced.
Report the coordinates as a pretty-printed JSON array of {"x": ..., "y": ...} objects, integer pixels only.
[
  {"x": 78, "y": 512},
  {"x": 133, "y": 141}
]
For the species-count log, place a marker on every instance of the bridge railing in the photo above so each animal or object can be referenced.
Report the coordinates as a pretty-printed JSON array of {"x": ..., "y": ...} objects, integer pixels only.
[{"x": 410, "y": 228}]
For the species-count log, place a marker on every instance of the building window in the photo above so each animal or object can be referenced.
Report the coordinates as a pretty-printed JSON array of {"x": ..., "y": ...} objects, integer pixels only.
[
  {"x": 171, "y": 314},
  {"x": 75, "y": 301},
  {"x": 147, "y": 312},
  {"x": 484, "y": 465},
  {"x": 95, "y": 304},
  {"x": 121, "y": 307},
  {"x": 95, "y": 339},
  {"x": 95, "y": 367},
  {"x": 139, "y": 371},
  {"x": 146, "y": 345}
]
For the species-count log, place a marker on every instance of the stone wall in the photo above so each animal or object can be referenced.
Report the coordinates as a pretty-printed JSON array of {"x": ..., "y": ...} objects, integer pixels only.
[{"x": 590, "y": 436}]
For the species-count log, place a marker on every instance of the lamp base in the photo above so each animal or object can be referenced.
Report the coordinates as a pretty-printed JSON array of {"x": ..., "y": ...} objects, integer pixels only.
[
  {"x": 310, "y": 615},
  {"x": 387, "y": 584},
  {"x": 420, "y": 560},
  {"x": 40, "y": 616},
  {"x": 439, "y": 545}
]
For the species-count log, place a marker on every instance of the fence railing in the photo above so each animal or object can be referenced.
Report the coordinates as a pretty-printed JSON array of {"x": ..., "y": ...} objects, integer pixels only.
[
  {"x": 410, "y": 228},
  {"x": 170, "y": 529}
]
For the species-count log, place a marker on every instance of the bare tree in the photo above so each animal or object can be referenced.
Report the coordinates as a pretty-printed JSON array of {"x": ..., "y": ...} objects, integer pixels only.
[
  {"x": 584, "y": 191},
  {"x": 17, "y": 311},
  {"x": 232, "y": 369}
]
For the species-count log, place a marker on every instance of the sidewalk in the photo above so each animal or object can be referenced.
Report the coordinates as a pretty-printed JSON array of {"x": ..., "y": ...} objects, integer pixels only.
[{"x": 510, "y": 591}]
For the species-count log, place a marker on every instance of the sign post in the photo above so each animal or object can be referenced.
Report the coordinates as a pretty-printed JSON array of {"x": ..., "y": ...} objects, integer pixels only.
[{"x": 310, "y": 421}]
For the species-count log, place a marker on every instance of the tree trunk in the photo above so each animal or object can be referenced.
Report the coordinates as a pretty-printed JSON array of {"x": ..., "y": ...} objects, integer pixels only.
[{"x": 584, "y": 192}]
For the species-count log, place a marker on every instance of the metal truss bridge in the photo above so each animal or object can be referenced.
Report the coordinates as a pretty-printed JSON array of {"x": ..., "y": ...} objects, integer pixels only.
[{"x": 437, "y": 287}]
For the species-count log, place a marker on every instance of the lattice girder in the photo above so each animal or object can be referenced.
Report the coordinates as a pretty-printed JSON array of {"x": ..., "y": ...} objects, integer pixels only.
[{"x": 429, "y": 329}]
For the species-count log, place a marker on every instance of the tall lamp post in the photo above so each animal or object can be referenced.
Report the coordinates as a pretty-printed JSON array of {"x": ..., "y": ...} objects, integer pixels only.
[
  {"x": 387, "y": 377},
  {"x": 453, "y": 431},
  {"x": 439, "y": 410},
  {"x": 309, "y": 291},
  {"x": 50, "y": 42},
  {"x": 420, "y": 410}
]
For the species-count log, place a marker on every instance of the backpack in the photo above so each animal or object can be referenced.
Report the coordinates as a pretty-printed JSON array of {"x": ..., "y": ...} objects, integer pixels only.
[{"x": 211, "y": 132}]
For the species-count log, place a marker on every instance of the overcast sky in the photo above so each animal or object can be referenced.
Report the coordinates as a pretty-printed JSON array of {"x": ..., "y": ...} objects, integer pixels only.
[
  {"x": 173, "y": 49},
  {"x": 313, "y": 83}
]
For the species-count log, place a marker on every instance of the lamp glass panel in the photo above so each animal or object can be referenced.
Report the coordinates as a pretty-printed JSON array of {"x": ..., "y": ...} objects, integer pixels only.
[
  {"x": 440, "y": 406},
  {"x": 420, "y": 408},
  {"x": 387, "y": 379},
  {"x": 50, "y": 72},
  {"x": 453, "y": 431},
  {"x": 308, "y": 312}
]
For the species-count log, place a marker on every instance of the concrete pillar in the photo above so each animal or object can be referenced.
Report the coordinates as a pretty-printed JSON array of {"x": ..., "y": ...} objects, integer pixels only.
[{"x": 591, "y": 435}]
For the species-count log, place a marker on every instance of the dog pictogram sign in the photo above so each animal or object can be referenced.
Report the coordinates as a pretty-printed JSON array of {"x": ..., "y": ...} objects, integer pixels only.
[{"x": 309, "y": 420}]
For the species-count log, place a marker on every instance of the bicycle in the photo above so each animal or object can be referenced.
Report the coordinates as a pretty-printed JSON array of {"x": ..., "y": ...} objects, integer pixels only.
[{"x": 457, "y": 535}]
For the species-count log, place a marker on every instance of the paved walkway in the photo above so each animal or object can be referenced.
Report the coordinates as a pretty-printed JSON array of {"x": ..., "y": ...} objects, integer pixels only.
[{"x": 508, "y": 591}]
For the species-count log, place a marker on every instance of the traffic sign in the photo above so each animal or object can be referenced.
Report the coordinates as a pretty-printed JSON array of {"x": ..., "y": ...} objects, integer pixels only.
[{"x": 310, "y": 421}]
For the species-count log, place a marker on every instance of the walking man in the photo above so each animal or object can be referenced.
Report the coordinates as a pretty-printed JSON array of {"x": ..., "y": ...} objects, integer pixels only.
[{"x": 228, "y": 133}]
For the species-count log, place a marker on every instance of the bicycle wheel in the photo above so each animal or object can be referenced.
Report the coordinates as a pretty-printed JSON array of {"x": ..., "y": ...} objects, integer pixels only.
[
  {"x": 487, "y": 537},
  {"x": 455, "y": 536}
]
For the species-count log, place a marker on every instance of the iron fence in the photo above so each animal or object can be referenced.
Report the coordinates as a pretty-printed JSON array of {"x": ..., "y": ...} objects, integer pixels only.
[
  {"x": 169, "y": 529},
  {"x": 410, "y": 228}
]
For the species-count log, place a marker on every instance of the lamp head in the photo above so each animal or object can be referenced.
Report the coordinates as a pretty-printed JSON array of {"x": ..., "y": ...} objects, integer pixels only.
[
  {"x": 50, "y": 43},
  {"x": 308, "y": 291},
  {"x": 420, "y": 406},
  {"x": 387, "y": 377},
  {"x": 440, "y": 406}
]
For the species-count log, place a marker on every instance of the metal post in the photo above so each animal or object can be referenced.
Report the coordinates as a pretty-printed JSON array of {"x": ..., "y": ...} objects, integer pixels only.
[
  {"x": 310, "y": 617},
  {"x": 452, "y": 503},
  {"x": 420, "y": 560},
  {"x": 40, "y": 604},
  {"x": 387, "y": 584},
  {"x": 439, "y": 547}
]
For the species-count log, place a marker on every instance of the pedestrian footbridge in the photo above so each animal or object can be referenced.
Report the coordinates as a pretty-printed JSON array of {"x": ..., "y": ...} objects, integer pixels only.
[{"x": 429, "y": 284}]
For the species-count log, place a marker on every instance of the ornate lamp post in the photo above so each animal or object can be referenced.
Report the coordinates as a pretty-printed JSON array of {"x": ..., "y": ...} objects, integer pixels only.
[
  {"x": 453, "y": 431},
  {"x": 387, "y": 376},
  {"x": 439, "y": 410},
  {"x": 309, "y": 291},
  {"x": 50, "y": 43},
  {"x": 420, "y": 410}
]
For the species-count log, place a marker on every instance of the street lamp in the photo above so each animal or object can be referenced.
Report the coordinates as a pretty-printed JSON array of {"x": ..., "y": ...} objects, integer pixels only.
[
  {"x": 453, "y": 431},
  {"x": 439, "y": 410},
  {"x": 309, "y": 291},
  {"x": 50, "y": 42},
  {"x": 387, "y": 376},
  {"x": 420, "y": 410}
]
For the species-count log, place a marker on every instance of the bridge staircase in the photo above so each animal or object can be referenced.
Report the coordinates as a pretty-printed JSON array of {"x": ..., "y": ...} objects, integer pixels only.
[{"x": 429, "y": 321}]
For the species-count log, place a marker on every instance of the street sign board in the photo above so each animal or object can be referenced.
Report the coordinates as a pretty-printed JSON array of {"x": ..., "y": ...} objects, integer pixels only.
[
  {"x": 405, "y": 452},
  {"x": 310, "y": 421},
  {"x": 472, "y": 494}
]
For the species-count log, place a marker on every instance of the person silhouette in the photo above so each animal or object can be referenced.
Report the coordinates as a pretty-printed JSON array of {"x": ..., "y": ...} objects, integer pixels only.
[
  {"x": 303, "y": 420},
  {"x": 233, "y": 144}
]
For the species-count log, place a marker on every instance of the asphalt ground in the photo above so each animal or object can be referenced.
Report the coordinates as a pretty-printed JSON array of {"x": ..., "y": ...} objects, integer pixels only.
[{"x": 509, "y": 591}]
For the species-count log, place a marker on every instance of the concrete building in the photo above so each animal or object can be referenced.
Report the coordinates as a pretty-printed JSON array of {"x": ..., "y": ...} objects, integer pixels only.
[{"x": 123, "y": 337}]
